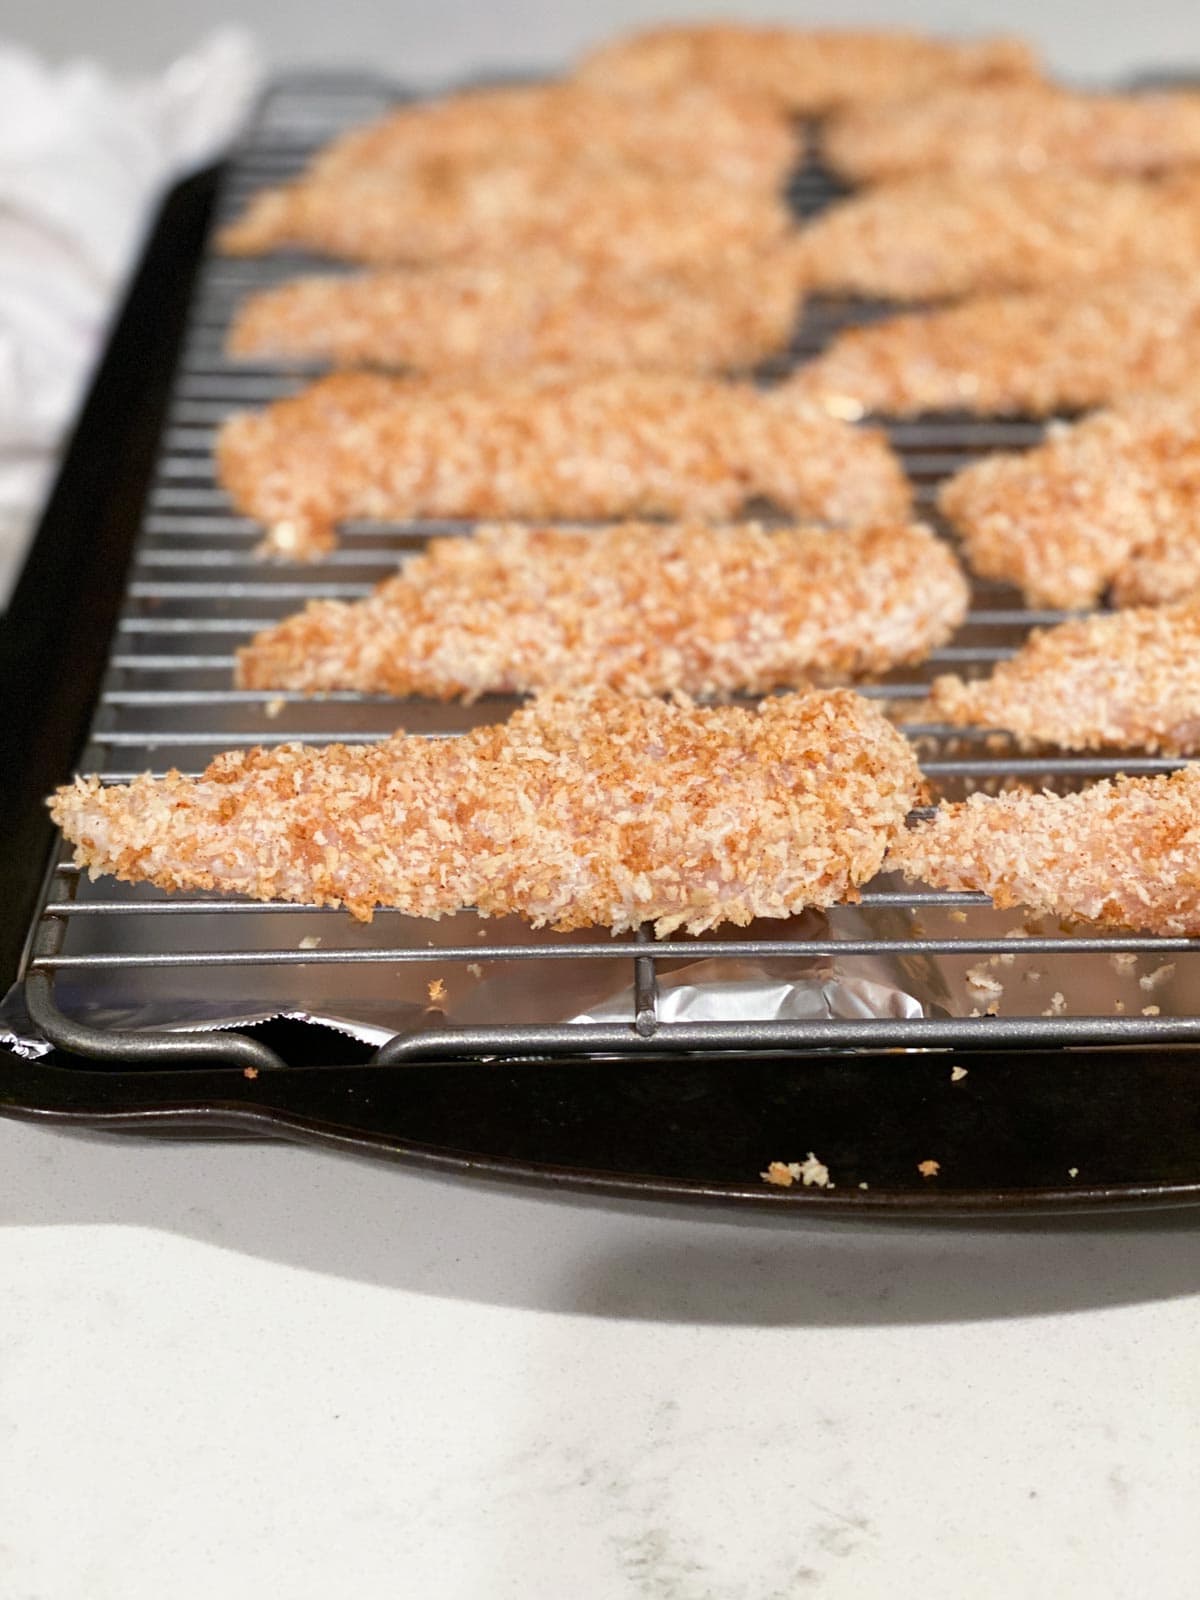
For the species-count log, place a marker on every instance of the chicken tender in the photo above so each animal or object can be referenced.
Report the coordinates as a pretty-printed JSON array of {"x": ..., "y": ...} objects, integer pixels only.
[
  {"x": 803, "y": 70},
  {"x": 644, "y": 608},
  {"x": 359, "y": 445},
  {"x": 1017, "y": 355},
  {"x": 437, "y": 214},
  {"x": 537, "y": 310},
  {"x": 944, "y": 235},
  {"x": 1112, "y": 502},
  {"x": 1121, "y": 681},
  {"x": 1018, "y": 127},
  {"x": 736, "y": 139},
  {"x": 1122, "y": 854},
  {"x": 581, "y": 810}
]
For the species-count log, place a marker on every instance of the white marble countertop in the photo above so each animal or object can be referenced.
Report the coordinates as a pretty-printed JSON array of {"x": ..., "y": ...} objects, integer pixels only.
[{"x": 254, "y": 1370}]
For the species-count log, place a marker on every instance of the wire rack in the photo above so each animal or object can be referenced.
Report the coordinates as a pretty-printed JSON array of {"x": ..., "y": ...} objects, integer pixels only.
[{"x": 103, "y": 957}]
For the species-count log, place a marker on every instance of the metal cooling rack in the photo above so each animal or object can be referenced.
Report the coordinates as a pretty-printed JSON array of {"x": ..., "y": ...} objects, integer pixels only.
[{"x": 195, "y": 593}]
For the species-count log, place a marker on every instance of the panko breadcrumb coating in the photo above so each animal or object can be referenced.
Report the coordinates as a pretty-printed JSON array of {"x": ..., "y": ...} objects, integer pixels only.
[
  {"x": 585, "y": 809},
  {"x": 1127, "y": 680},
  {"x": 538, "y": 309},
  {"x": 943, "y": 235},
  {"x": 643, "y": 608},
  {"x": 436, "y": 214},
  {"x": 803, "y": 70},
  {"x": 359, "y": 445},
  {"x": 1122, "y": 854},
  {"x": 1018, "y": 127},
  {"x": 1018, "y": 354},
  {"x": 1109, "y": 502},
  {"x": 738, "y": 139}
]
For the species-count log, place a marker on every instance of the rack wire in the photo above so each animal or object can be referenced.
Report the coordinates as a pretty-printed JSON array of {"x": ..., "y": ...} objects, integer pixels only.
[{"x": 195, "y": 593}]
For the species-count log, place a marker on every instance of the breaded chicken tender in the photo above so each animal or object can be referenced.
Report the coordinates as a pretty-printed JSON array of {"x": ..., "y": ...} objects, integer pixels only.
[
  {"x": 536, "y": 310},
  {"x": 619, "y": 215},
  {"x": 581, "y": 810},
  {"x": 736, "y": 138},
  {"x": 643, "y": 608},
  {"x": 1122, "y": 854},
  {"x": 1019, "y": 127},
  {"x": 1018, "y": 354},
  {"x": 1124, "y": 680},
  {"x": 803, "y": 70},
  {"x": 944, "y": 235},
  {"x": 1111, "y": 503},
  {"x": 359, "y": 445}
]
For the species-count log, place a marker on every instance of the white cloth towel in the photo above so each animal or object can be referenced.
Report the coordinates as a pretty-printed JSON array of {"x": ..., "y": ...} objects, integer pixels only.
[{"x": 83, "y": 156}]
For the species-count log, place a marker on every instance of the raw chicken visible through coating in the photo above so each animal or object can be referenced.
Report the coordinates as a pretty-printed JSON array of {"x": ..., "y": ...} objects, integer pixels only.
[
  {"x": 1123, "y": 854},
  {"x": 949, "y": 234},
  {"x": 641, "y": 608},
  {"x": 1112, "y": 502},
  {"x": 1019, "y": 354},
  {"x": 804, "y": 70},
  {"x": 587, "y": 809},
  {"x": 1129, "y": 680},
  {"x": 1015, "y": 128},
  {"x": 737, "y": 139},
  {"x": 624, "y": 216},
  {"x": 535, "y": 310},
  {"x": 357, "y": 445}
]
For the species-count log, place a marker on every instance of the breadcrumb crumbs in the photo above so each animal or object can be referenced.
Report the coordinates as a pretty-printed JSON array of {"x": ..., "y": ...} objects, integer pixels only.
[
  {"x": 436, "y": 989},
  {"x": 957, "y": 1074},
  {"x": 1151, "y": 980},
  {"x": 1072, "y": 1172},
  {"x": 929, "y": 1169},
  {"x": 250, "y": 1072},
  {"x": 274, "y": 708},
  {"x": 1151, "y": 1011},
  {"x": 475, "y": 969},
  {"x": 810, "y": 1172},
  {"x": 1057, "y": 1006},
  {"x": 311, "y": 941}
]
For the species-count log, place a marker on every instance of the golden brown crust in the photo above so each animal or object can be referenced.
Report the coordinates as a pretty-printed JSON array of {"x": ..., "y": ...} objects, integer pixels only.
[
  {"x": 1017, "y": 127},
  {"x": 804, "y": 70},
  {"x": 630, "y": 444},
  {"x": 1113, "y": 501},
  {"x": 1122, "y": 854},
  {"x": 1017, "y": 354},
  {"x": 536, "y": 310},
  {"x": 642, "y": 608},
  {"x": 585, "y": 809},
  {"x": 623, "y": 216},
  {"x": 1129, "y": 680},
  {"x": 943, "y": 235},
  {"x": 737, "y": 138}
]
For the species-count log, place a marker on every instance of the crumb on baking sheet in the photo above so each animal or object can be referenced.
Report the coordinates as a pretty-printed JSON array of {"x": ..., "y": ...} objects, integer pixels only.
[
  {"x": 979, "y": 978},
  {"x": 436, "y": 990},
  {"x": 250, "y": 1072},
  {"x": 1124, "y": 959},
  {"x": 810, "y": 1172},
  {"x": 1118, "y": 1005},
  {"x": 957, "y": 1074},
  {"x": 1032, "y": 976},
  {"x": 864, "y": 1186},
  {"x": 475, "y": 969},
  {"x": 1151, "y": 980},
  {"x": 1151, "y": 1011},
  {"x": 929, "y": 1169},
  {"x": 1072, "y": 1172},
  {"x": 958, "y": 916},
  {"x": 1058, "y": 1004},
  {"x": 273, "y": 708},
  {"x": 310, "y": 941}
]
